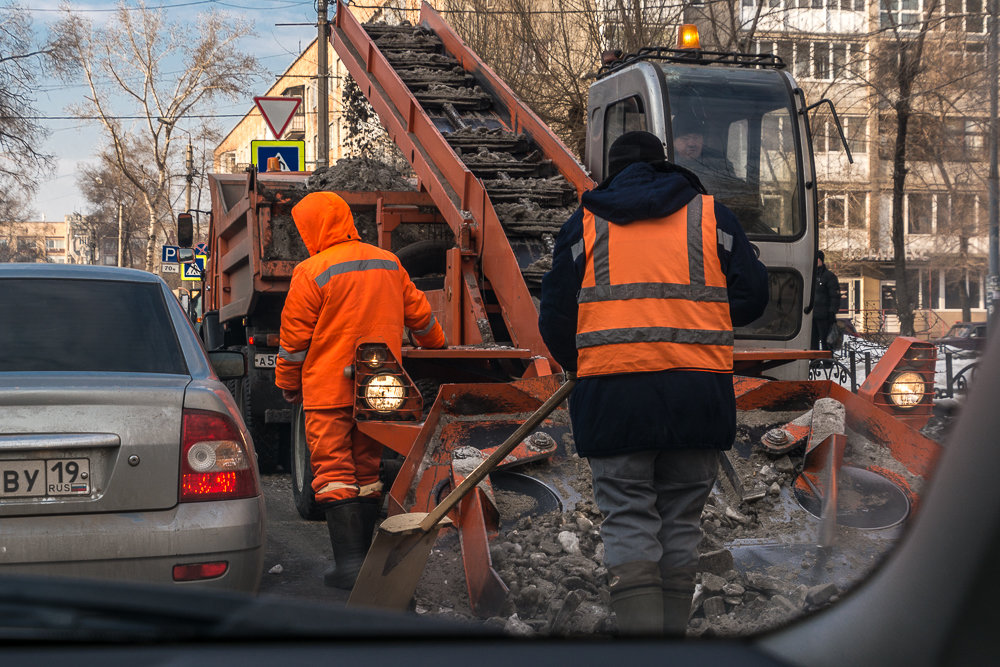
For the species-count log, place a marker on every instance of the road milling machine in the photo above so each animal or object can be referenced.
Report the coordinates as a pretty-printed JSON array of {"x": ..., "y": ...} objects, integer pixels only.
[{"x": 500, "y": 183}]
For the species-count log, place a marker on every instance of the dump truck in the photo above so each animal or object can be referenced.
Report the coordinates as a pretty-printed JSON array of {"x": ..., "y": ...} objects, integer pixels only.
[{"x": 500, "y": 183}]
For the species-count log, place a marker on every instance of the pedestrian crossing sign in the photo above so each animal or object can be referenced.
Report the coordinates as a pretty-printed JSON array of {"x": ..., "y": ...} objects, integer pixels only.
[
  {"x": 194, "y": 270},
  {"x": 291, "y": 154}
]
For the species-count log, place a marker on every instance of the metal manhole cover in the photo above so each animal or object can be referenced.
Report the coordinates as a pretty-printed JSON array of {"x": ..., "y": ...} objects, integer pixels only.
[{"x": 865, "y": 499}]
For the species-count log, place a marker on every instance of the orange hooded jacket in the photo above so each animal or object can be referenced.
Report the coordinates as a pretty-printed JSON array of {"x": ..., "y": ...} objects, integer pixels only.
[{"x": 346, "y": 291}]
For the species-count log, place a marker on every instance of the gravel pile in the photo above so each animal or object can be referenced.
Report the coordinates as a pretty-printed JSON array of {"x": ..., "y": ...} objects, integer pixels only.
[
  {"x": 553, "y": 563},
  {"x": 359, "y": 173}
]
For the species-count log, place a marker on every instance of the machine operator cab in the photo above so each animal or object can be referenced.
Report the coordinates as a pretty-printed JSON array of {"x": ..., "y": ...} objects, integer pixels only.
[{"x": 738, "y": 121}]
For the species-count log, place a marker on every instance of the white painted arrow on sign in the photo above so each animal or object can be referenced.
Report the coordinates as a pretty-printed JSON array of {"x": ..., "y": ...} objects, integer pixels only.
[{"x": 277, "y": 112}]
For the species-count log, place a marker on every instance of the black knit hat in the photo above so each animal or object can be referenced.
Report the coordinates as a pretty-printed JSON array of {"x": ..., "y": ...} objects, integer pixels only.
[
  {"x": 635, "y": 146},
  {"x": 686, "y": 122},
  {"x": 820, "y": 256}
]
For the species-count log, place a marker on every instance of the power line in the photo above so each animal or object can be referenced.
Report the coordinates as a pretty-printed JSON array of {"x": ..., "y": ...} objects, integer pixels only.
[
  {"x": 172, "y": 6},
  {"x": 221, "y": 115},
  {"x": 115, "y": 9},
  {"x": 508, "y": 12}
]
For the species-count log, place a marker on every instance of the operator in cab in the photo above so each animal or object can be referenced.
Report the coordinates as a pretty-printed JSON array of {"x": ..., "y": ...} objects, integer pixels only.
[
  {"x": 691, "y": 152},
  {"x": 649, "y": 277},
  {"x": 345, "y": 292}
]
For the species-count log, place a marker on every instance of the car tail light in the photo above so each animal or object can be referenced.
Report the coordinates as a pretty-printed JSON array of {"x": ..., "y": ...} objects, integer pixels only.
[
  {"x": 199, "y": 571},
  {"x": 215, "y": 462}
]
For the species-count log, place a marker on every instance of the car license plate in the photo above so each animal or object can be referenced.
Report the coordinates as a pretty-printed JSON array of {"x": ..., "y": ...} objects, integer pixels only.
[
  {"x": 264, "y": 360},
  {"x": 44, "y": 478}
]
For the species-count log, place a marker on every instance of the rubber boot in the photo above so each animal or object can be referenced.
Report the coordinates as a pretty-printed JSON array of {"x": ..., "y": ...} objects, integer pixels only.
[
  {"x": 678, "y": 591},
  {"x": 350, "y": 523},
  {"x": 637, "y": 597}
]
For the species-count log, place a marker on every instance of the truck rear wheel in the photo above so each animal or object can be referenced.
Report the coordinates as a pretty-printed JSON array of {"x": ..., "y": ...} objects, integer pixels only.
[
  {"x": 426, "y": 262},
  {"x": 266, "y": 437},
  {"x": 302, "y": 491}
]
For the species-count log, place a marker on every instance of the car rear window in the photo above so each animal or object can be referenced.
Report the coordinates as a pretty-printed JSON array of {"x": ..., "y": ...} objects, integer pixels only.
[{"x": 86, "y": 325}]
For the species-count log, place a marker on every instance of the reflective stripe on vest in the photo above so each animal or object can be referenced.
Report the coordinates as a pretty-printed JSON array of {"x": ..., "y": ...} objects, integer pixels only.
[
  {"x": 654, "y": 295},
  {"x": 292, "y": 357},
  {"x": 355, "y": 265}
]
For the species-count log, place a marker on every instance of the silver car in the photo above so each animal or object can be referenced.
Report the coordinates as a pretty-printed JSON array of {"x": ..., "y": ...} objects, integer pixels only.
[{"x": 122, "y": 455}]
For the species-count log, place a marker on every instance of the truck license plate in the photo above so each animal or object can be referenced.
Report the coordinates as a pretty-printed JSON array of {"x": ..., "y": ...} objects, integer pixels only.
[
  {"x": 264, "y": 360},
  {"x": 44, "y": 478}
]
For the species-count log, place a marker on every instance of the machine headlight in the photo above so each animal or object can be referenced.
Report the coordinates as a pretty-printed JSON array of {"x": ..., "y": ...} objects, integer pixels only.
[
  {"x": 374, "y": 356},
  {"x": 907, "y": 389},
  {"x": 385, "y": 393}
]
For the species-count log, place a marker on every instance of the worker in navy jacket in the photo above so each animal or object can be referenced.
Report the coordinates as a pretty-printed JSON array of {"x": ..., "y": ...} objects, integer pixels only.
[{"x": 649, "y": 277}]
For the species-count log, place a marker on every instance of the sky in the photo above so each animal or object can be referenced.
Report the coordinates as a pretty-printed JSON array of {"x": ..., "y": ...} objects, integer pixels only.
[{"x": 74, "y": 142}]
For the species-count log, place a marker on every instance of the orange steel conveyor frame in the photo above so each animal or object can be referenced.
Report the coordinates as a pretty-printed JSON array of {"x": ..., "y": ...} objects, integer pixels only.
[{"x": 458, "y": 194}]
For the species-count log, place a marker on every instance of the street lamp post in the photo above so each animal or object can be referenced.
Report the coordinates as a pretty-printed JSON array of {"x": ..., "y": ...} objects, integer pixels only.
[{"x": 188, "y": 160}]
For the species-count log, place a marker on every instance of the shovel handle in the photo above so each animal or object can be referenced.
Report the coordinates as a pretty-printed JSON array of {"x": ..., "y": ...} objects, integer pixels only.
[{"x": 487, "y": 466}]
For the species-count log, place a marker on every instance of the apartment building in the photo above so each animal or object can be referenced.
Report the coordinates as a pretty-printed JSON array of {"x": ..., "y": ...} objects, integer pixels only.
[
  {"x": 233, "y": 154},
  {"x": 35, "y": 241},
  {"x": 840, "y": 50}
]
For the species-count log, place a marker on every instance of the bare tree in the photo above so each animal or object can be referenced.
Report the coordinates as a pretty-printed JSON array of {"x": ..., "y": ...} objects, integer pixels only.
[
  {"x": 21, "y": 164},
  {"x": 909, "y": 52},
  {"x": 106, "y": 189},
  {"x": 551, "y": 51},
  {"x": 14, "y": 211},
  {"x": 121, "y": 62}
]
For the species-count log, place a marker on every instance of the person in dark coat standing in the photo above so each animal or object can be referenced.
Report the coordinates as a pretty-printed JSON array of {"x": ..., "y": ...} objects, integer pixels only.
[
  {"x": 826, "y": 303},
  {"x": 648, "y": 278}
]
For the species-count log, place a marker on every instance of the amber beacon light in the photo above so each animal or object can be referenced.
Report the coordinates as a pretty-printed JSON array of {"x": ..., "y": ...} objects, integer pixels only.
[{"x": 687, "y": 37}]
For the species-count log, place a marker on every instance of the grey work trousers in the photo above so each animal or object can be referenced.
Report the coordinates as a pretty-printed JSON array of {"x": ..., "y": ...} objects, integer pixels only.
[{"x": 652, "y": 503}]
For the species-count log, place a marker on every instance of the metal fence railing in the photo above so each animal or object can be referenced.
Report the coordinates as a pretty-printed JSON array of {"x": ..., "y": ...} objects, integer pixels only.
[{"x": 853, "y": 362}]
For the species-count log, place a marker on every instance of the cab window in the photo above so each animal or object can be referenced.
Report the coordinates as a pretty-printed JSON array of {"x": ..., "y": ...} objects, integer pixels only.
[{"x": 622, "y": 116}]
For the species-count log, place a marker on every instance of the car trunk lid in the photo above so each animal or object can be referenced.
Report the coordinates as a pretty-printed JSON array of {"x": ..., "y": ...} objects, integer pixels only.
[{"x": 75, "y": 443}]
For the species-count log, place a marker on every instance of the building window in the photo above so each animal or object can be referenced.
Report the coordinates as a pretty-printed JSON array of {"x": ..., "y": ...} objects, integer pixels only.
[
  {"x": 857, "y": 211},
  {"x": 965, "y": 15},
  {"x": 842, "y": 210},
  {"x": 919, "y": 213},
  {"x": 964, "y": 209},
  {"x": 816, "y": 60},
  {"x": 970, "y": 138},
  {"x": 903, "y": 14},
  {"x": 836, "y": 211},
  {"x": 55, "y": 243},
  {"x": 826, "y": 138},
  {"x": 959, "y": 283}
]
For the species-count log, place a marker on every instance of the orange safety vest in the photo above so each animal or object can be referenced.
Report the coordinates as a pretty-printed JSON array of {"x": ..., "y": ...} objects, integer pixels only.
[{"x": 653, "y": 295}]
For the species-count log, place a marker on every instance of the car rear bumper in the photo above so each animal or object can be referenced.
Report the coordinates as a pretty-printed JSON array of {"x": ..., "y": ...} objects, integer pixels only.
[{"x": 141, "y": 546}]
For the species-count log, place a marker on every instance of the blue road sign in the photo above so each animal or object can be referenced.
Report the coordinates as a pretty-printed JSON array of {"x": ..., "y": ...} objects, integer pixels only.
[
  {"x": 202, "y": 249},
  {"x": 194, "y": 270},
  {"x": 169, "y": 254},
  {"x": 291, "y": 154}
]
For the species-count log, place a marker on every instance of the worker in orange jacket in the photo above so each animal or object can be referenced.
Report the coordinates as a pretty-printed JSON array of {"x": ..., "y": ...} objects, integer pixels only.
[{"x": 345, "y": 292}]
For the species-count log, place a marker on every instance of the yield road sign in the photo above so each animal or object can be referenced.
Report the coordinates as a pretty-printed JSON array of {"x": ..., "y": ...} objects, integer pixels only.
[
  {"x": 194, "y": 270},
  {"x": 277, "y": 112},
  {"x": 168, "y": 254},
  {"x": 291, "y": 154}
]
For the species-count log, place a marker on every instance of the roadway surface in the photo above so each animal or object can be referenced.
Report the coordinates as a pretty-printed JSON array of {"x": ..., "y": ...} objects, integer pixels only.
[{"x": 298, "y": 551}]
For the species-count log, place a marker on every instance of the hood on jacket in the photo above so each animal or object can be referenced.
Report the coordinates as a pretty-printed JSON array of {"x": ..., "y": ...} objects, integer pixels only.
[
  {"x": 324, "y": 219},
  {"x": 643, "y": 190}
]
